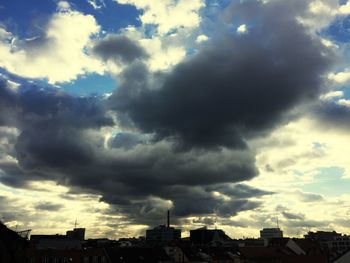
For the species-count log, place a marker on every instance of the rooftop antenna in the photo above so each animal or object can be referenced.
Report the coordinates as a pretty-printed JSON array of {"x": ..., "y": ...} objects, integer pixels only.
[{"x": 75, "y": 223}]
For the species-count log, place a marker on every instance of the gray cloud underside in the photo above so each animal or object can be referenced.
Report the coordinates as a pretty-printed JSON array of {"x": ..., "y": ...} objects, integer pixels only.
[
  {"x": 56, "y": 142},
  {"x": 118, "y": 48},
  {"x": 236, "y": 87},
  {"x": 332, "y": 115},
  {"x": 48, "y": 206},
  {"x": 189, "y": 126}
]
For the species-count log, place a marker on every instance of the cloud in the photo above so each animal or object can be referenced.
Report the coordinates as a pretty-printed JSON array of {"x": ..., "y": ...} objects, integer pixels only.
[
  {"x": 7, "y": 103},
  {"x": 340, "y": 77},
  {"x": 239, "y": 190},
  {"x": 118, "y": 48},
  {"x": 97, "y": 4},
  {"x": 178, "y": 137},
  {"x": 48, "y": 206},
  {"x": 201, "y": 38},
  {"x": 225, "y": 93},
  {"x": 204, "y": 221},
  {"x": 331, "y": 95},
  {"x": 58, "y": 53},
  {"x": 332, "y": 114},
  {"x": 293, "y": 216},
  {"x": 126, "y": 140},
  {"x": 242, "y": 29},
  {"x": 168, "y": 15},
  {"x": 309, "y": 197},
  {"x": 59, "y": 139}
]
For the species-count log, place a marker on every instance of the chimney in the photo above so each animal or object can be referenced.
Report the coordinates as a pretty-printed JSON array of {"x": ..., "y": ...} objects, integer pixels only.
[{"x": 168, "y": 222}]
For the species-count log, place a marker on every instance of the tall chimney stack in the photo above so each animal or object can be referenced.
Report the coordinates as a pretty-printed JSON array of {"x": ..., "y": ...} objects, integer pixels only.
[{"x": 168, "y": 222}]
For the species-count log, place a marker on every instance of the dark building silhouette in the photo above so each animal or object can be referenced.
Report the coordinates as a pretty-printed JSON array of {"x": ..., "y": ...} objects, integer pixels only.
[
  {"x": 163, "y": 233},
  {"x": 12, "y": 246},
  {"x": 87, "y": 255},
  {"x": 76, "y": 233},
  {"x": 72, "y": 240},
  {"x": 137, "y": 254},
  {"x": 204, "y": 236}
]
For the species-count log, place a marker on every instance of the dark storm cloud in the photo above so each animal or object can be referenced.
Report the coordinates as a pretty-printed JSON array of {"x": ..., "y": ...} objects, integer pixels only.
[
  {"x": 187, "y": 201},
  {"x": 51, "y": 125},
  {"x": 48, "y": 206},
  {"x": 236, "y": 87},
  {"x": 126, "y": 140},
  {"x": 332, "y": 115},
  {"x": 8, "y": 138},
  {"x": 12, "y": 175},
  {"x": 118, "y": 48},
  {"x": 40, "y": 108},
  {"x": 52, "y": 147},
  {"x": 54, "y": 143},
  {"x": 55, "y": 109},
  {"x": 7, "y": 103}
]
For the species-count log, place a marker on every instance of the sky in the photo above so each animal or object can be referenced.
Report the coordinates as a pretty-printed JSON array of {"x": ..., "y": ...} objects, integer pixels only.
[{"x": 232, "y": 114}]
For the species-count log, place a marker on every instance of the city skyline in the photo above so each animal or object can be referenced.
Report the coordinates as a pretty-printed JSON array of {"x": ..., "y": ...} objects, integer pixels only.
[{"x": 232, "y": 114}]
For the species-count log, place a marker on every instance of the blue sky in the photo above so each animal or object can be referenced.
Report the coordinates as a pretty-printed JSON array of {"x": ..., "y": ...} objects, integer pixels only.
[{"x": 157, "y": 102}]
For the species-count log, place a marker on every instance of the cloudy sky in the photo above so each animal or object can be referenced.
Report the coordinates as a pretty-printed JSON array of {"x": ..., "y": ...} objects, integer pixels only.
[{"x": 230, "y": 113}]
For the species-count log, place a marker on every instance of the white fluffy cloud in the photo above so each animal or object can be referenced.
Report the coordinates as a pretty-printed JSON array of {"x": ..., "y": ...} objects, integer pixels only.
[
  {"x": 331, "y": 95},
  {"x": 97, "y": 4},
  {"x": 201, "y": 38},
  {"x": 345, "y": 9},
  {"x": 59, "y": 55},
  {"x": 340, "y": 77},
  {"x": 242, "y": 29},
  {"x": 290, "y": 159},
  {"x": 322, "y": 12},
  {"x": 168, "y": 14},
  {"x": 344, "y": 102},
  {"x": 164, "y": 51}
]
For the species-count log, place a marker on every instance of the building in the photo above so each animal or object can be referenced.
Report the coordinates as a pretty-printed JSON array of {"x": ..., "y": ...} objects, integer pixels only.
[
  {"x": 54, "y": 242},
  {"x": 268, "y": 233},
  {"x": 137, "y": 254},
  {"x": 322, "y": 237},
  {"x": 12, "y": 246},
  {"x": 87, "y": 255},
  {"x": 72, "y": 240},
  {"x": 163, "y": 233},
  {"x": 203, "y": 236},
  {"x": 76, "y": 233}
]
